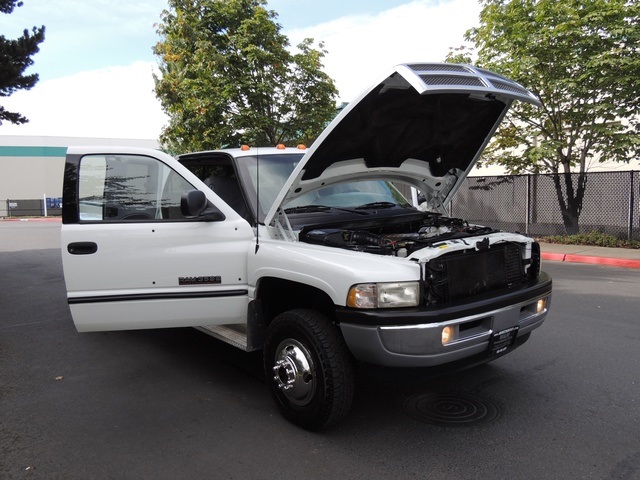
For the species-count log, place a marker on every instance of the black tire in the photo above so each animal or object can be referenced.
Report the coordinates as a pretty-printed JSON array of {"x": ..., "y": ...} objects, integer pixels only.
[{"x": 309, "y": 369}]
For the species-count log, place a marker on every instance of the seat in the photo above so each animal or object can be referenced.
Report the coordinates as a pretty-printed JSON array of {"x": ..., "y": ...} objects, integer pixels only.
[{"x": 228, "y": 189}]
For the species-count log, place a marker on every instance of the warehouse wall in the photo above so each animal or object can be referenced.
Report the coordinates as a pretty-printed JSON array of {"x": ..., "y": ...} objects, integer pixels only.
[{"x": 31, "y": 167}]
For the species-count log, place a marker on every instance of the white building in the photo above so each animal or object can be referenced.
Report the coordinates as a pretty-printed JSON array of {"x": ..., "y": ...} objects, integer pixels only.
[{"x": 31, "y": 167}]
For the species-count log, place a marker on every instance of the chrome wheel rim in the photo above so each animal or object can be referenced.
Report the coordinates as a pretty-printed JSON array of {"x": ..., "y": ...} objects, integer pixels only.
[{"x": 294, "y": 372}]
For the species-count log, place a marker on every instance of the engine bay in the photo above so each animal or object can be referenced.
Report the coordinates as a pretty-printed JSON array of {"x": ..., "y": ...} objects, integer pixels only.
[{"x": 395, "y": 237}]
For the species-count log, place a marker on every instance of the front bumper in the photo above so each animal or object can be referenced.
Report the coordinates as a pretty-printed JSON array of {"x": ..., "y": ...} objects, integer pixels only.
[{"x": 402, "y": 338}]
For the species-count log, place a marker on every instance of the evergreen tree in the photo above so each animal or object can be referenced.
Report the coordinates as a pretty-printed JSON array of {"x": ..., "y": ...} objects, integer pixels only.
[{"x": 15, "y": 58}]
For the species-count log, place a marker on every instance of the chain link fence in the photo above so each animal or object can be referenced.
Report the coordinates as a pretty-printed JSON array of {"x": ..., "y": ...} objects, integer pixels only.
[
  {"x": 31, "y": 207},
  {"x": 529, "y": 204}
]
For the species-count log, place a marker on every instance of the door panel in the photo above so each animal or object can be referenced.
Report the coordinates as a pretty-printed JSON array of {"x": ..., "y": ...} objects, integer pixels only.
[
  {"x": 131, "y": 260},
  {"x": 160, "y": 313}
]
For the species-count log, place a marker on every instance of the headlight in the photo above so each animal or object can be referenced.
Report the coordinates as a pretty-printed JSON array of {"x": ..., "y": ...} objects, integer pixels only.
[{"x": 384, "y": 295}]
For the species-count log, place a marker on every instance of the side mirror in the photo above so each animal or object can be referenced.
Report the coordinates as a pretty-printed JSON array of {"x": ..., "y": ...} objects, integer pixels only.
[{"x": 194, "y": 204}]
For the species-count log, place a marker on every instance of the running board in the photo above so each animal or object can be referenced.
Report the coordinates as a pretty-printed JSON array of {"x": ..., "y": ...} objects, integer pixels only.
[{"x": 235, "y": 334}]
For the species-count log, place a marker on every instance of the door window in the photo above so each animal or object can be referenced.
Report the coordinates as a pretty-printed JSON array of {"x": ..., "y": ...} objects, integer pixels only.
[{"x": 129, "y": 188}]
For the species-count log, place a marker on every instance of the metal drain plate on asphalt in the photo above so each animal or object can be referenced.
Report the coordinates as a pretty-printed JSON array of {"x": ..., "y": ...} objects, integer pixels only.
[{"x": 451, "y": 409}]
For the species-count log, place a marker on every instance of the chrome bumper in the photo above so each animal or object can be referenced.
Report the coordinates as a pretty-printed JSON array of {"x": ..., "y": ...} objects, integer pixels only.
[{"x": 421, "y": 345}]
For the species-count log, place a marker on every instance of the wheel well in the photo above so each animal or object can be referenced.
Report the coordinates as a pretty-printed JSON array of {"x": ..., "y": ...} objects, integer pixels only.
[{"x": 277, "y": 295}]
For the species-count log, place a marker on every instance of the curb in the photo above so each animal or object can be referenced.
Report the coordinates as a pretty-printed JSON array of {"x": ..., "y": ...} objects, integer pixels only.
[
  {"x": 612, "y": 262},
  {"x": 34, "y": 219}
]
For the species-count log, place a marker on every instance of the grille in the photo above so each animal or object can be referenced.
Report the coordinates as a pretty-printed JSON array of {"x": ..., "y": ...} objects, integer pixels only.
[
  {"x": 452, "y": 80},
  {"x": 460, "y": 275},
  {"x": 491, "y": 75},
  {"x": 509, "y": 87},
  {"x": 438, "y": 67}
]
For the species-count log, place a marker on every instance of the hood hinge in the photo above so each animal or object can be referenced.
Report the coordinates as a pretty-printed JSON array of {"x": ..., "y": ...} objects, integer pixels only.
[{"x": 283, "y": 231}]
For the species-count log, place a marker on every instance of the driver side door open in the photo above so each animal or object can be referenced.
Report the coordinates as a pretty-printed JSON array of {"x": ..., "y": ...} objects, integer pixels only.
[{"x": 132, "y": 260}]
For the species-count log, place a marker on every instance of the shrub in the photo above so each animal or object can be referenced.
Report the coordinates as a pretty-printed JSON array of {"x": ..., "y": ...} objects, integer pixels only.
[{"x": 594, "y": 238}]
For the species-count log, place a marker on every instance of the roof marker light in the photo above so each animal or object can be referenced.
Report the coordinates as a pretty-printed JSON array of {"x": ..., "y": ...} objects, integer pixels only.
[
  {"x": 302, "y": 146},
  {"x": 280, "y": 146},
  {"x": 245, "y": 147}
]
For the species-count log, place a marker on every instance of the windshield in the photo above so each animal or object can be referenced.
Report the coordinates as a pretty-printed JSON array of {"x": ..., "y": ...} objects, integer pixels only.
[
  {"x": 351, "y": 195},
  {"x": 274, "y": 171}
]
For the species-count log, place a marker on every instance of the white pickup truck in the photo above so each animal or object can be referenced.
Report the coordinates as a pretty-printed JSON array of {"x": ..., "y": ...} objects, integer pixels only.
[{"x": 313, "y": 255}]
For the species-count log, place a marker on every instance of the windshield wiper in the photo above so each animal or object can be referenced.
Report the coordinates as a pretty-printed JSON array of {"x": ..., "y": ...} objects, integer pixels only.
[
  {"x": 368, "y": 206},
  {"x": 318, "y": 208},
  {"x": 307, "y": 209}
]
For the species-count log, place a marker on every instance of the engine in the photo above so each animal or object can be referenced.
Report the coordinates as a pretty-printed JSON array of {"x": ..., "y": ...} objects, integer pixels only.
[{"x": 391, "y": 238}]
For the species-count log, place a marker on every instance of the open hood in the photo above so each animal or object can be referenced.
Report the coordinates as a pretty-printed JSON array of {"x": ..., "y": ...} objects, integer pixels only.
[{"x": 424, "y": 124}]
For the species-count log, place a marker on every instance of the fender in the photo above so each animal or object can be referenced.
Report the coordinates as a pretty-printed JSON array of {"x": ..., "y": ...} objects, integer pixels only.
[{"x": 332, "y": 271}]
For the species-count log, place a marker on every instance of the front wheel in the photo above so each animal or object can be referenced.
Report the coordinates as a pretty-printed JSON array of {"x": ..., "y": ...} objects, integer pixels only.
[{"x": 309, "y": 369}]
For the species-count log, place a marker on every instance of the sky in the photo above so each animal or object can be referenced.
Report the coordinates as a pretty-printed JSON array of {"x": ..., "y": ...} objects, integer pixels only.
[{"x": 96, "y": 63}]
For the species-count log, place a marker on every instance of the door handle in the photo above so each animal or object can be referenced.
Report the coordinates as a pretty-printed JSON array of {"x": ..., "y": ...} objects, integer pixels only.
[{"x": 82, "y": 248}]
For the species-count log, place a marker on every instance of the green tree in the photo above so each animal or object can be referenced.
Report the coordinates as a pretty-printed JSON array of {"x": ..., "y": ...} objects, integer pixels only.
[
  {"x": 15, "y": 58},
  {"x": 582, "y": 58},
  {"x": 228, "y": 77}
]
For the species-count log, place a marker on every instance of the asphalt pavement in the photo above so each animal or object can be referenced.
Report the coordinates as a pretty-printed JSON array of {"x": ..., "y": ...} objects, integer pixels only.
[{"x": 175, "y": 403}]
